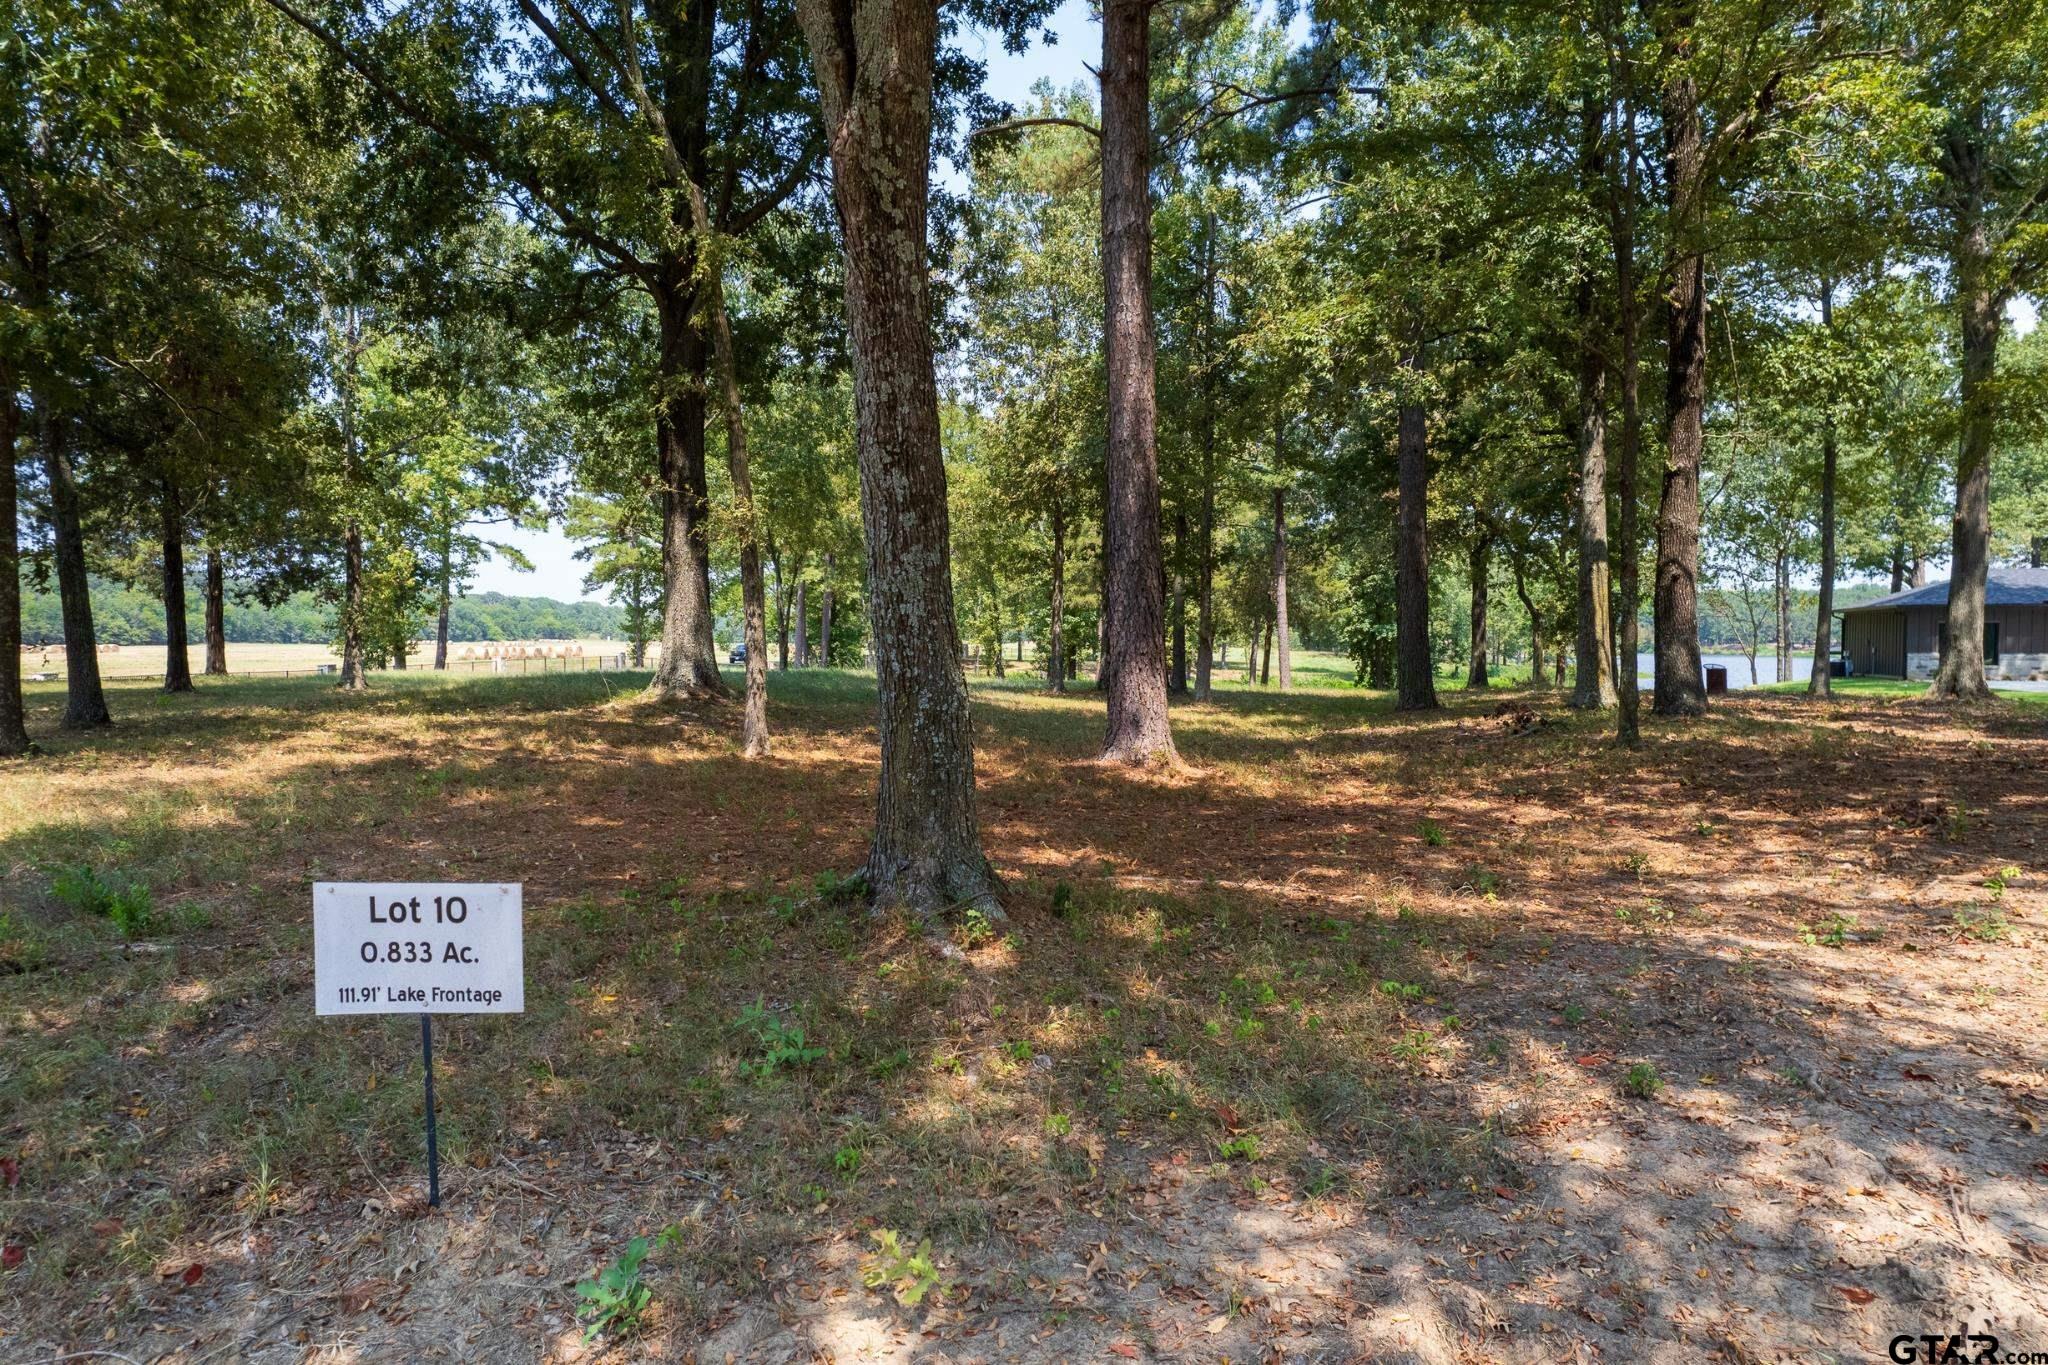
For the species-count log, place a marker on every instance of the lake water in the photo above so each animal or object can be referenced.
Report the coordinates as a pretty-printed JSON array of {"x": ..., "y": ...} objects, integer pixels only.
[{"x": 1737, "y": 666}]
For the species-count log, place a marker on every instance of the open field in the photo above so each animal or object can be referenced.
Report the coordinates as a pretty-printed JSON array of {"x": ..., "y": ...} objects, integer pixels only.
[
  {"x": 147, "y": 661},
  {"x": 1464, "y": 1037}
]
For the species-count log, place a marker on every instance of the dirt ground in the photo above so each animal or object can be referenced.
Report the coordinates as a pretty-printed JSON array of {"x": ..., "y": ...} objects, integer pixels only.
[{"x": 1367, "y": 1037}]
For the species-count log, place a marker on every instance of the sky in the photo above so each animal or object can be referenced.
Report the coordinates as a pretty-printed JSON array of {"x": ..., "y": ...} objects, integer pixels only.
[{"x": 556, "y": 571}]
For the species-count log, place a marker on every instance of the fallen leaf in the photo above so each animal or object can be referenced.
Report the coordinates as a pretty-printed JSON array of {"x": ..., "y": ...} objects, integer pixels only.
[
  {"x": 12, "y": 1256},
  {"x": 10, "y": 1171},
  {"x": 1914, "y": 1075},
  {"x": 1126, "y": 1350},
  {"x": 192, "y": 1274},
  {"x": 1218, "y": 1323},
  {"x": 1855, "y": 1294}
]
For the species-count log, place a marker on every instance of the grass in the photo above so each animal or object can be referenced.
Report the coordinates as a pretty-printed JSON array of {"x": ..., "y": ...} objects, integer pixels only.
[
  {"x": 1253, "y": 962},
  {"x": 1899, "y": 688}
]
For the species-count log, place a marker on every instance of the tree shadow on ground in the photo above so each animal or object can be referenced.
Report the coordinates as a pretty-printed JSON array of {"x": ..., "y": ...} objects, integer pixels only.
[{"x": 1329, "y": 1064}]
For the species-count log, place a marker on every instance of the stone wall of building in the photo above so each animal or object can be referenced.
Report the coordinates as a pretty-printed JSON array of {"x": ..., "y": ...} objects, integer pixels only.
[{"x": 2010, "y": 667}]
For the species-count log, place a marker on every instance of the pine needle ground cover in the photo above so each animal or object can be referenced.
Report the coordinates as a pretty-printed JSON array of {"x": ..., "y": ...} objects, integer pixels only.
[{"x": 1464, "y": 1037}]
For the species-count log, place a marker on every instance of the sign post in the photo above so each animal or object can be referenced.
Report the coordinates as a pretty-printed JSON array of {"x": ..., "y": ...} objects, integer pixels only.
[{"x": 422, "y": 948}]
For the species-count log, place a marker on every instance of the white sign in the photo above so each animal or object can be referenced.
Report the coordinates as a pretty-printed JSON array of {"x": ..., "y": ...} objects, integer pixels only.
[{"x": 418, "y": 948}]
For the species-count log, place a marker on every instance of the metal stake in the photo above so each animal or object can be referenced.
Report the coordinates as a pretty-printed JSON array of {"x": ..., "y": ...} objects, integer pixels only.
[{"x": 433, "y": 1146}]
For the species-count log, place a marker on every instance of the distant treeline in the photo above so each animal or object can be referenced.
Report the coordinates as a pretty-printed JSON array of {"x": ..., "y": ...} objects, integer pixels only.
[
  {"x": 1725, "y": 623},
  {"x": 126, "y": 616}
]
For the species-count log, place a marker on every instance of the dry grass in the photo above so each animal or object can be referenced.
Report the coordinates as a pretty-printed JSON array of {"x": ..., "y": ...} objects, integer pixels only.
[{"x": 1349, "y": 968}]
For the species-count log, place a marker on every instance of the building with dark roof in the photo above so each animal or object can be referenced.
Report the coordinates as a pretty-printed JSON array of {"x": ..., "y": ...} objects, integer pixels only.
[{"x": 1902, "y": 636}]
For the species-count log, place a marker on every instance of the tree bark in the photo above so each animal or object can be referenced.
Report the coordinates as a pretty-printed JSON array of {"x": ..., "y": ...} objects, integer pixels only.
[
  {"x": 825, "y": 615},
  {"x": 177, "y": 651},
  {"x": 1056, "y": 661},
  {"x": 216, "y": 617},
  {"x": 1135, "y": 635},
  {"x": 873, "y": 65},
  {"x": 1280, "y": 628},
  {"x": 688, "y": 666},
  {"x": 1414, "y": 669},
  {"x": 447, "y": 593},
  {"x": 1680, "y": 688},
  {"x": 1205, "y": 586},
  {"x": 1628, "y": 587},
  {"x": 781, "y": 612},
  {"x": 14, "y": 739},
  {"x": 1594, "y": 686},
  {"x": 1177, "y": 674},
  {"x": 85, "y": 701},
  {"x": 1781, "y": 603},
  {"x": 1960, "y": 675},
  {"x": 753, "y": 589},
  {"x": 1535, "y": 625},
  {"x": 803, "y": 627},
  {"x": 1480, "y": 567},
  {"x": 353, "y": 678},
  {"x": 1266, "y": 655}
]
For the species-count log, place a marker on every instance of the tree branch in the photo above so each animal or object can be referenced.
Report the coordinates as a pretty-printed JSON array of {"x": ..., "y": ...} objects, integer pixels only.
[
  {"x": 771, "y": 198},
  {"x": 1013, "y": 124},
  {"x": 469, "y": 143},
  {"x": 575, "y": 60}
]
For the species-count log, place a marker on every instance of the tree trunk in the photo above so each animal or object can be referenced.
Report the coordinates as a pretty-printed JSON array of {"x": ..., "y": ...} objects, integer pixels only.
[
  {"x": 781, "y": 611},
  {"x": 14, "y": 739},
  {"x": 1594, "y": 686},
  {"x": 753, "y": 590},
  {"x": 1414, "y": 669},
  {"x": 1480, "y": 565},
  {"x": 873, "y": 61},
  {"x": 1680, "y": 685},
  {"x": 1281, "y": 639},
  {"x": 1177, "y": 675},
  {"x": 1135, "y": 635},
  {"x": 1056, "y": 661},
  {"x": 85, "y": 702},
  {"x": 216, "y": 617},
  {"x": 1205, "y": 585},
  {"x": 1266, "y": 656},
  {"x": 1781, "y": 603},
  {"x": 689, "y": 656},
  {"x": 1535, "y": 625},
  {"x": 1898, "y": 568},
  {"x": 825, "y": 615},
  {"x": 803, "y": 626},
  {"x": 447, "y": 593},
  {"x": 1628, "y": 606},
  {"x": 1961, "y": 671},
  {"x": 177, "y": 652},
  {"x": 353, "y": 678}
]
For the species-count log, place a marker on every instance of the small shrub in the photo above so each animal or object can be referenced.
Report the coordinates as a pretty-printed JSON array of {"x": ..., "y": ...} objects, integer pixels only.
[
  {"x": 1243, "y": 1147},
  {"x": 1985, "y": 926},
  {"x": 911, "y": 1275},
  {"x": 1431, "y": 833},
  {"x": 128, "y": 904},
  {"x": 1999, "y": 880},
  {"x": 1832, "y": 932},
  {"x": 614, "y": 1301},
  {"x": 1642, "y": 1082},
  {"x": 781, "y": 1045}
]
